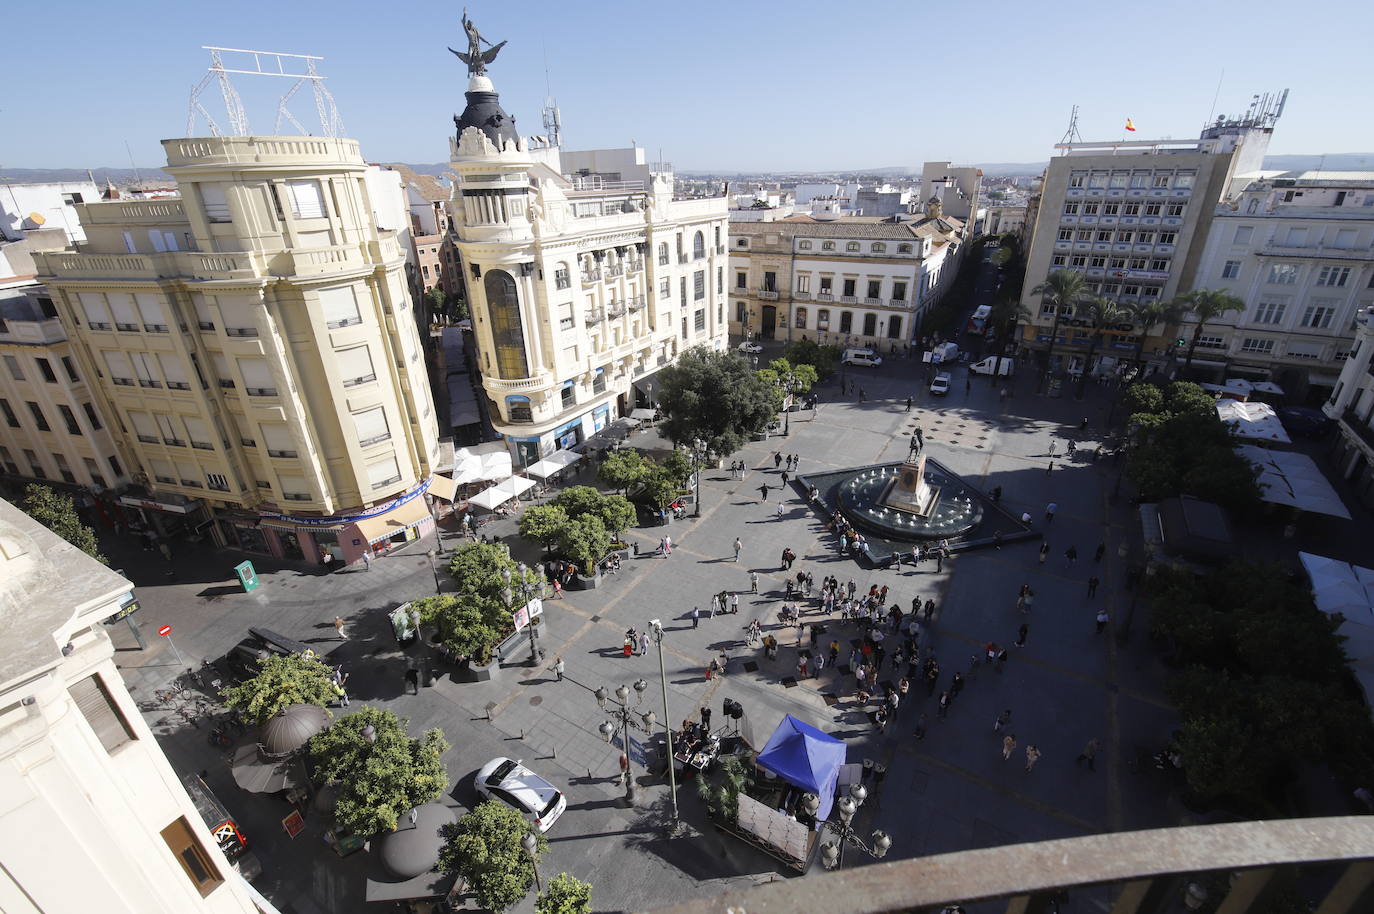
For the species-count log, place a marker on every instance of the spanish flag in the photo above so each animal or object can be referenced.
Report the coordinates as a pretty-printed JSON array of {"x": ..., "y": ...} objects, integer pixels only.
[{"x": 1129, "y": 125}]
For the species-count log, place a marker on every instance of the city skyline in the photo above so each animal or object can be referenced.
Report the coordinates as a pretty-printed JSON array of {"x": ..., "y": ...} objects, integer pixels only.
[{"x": 397, "y": 88}]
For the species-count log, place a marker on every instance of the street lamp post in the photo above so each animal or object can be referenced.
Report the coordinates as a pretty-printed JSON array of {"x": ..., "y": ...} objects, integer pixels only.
[
  {"x": 530, "y": 845},
  {"x": 656, "y": 628},
  {"x": 623, "y": 714},
  {"x": 527, "y": 589},
  {"x": 699, "y": 454},
  {"x": 832, "y": 852},
  {"x": 433, "y": 570}
]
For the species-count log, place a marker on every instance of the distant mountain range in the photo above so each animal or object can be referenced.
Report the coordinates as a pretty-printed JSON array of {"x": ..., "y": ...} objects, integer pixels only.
[{"x": 1334, "y": 161}]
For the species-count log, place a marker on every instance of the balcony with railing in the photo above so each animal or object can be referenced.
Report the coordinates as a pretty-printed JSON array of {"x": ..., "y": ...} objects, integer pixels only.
[
  {"x": 614, "y": 270},
  {"x": 591, "y": 276},
  {"x": 1359, "y": 427},
  {"x": 849, "y": 299},
  {"x": 247, "y": 151},
  {"x": 766, "y": 294}
]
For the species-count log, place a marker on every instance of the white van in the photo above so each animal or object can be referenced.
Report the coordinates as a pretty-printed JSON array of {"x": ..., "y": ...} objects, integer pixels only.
[
  {"x": 989, "y": 365},
  {"x": 944, "y": 352},
  {"x": 862, "y": 357}
]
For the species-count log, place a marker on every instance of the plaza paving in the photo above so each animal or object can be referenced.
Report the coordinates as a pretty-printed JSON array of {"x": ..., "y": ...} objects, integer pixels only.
[{"x": 949, "y": 791}]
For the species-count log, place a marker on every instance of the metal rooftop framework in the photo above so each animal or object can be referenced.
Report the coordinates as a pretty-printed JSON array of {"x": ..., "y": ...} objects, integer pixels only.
[{"x": 300, "y": 67}]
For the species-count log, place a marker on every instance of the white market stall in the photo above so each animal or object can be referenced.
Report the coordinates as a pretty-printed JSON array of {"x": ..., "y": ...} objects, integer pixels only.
[
  {"x": 553, "y": 464},
  {"x": 1252, "y": 421},
  {"x": 1293, "y": 479},
  {"x": 502, "y": 492},
  {"x": 1340, "y": 588}
]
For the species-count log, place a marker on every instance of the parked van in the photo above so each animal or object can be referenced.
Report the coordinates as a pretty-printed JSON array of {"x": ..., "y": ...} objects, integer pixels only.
[
  {"x": 978, "y": 321},
  {"x": 989, "y": 365},
  {"x": 862, "y": 357},
  {"x": 944, "y": 352}
]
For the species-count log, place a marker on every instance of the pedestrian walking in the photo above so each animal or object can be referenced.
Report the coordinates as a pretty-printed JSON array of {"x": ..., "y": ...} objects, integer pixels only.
[
  {"x": 1044, "y": 552},
  {"x": 1001, "y": 721},
  {"x": 940, "y": 560},
  {"x": 957, "y": 685},
  {"x": 921, "y": 722},
  {"x": 945, "y": 699},
  {"x": 929, "y": 610},
  {"x": 1050, "y": 510},
  {"x": 1092, "y": 586},
  {"x": 367, "y": 559},
  {"x": 818, "y": 662},
  {"x": 558, "y": 668},
  {"x": 1032, "y": 756},
  {"x": 778, "y": 513},
  {"x": 739, "y": 544},
  {"x": 763, "y": 492},
  {"x": 801, "y": 667},
  {"x": 908, "y": 404},
  {"x": 339, "y": 627},
  {"x": 696, "y": 616},
  {"x": 753, "y": 581},
  {"x": 413, "y": 680},
  {"x": 785, "y": 476},
  {"x": 1008, "y": 746},
  {"x": 327, "y": 559},
  {"x": 1097, "y": 553},
  {"x": 1049, "y": 468},
  {"x": 1101, "y": 621},
  {"x": 667, "y": 546},
  {"x": 777, "y": 459},
  {"x": 1071, "y": 555},
  {"x": 1021, "y": 634},
  {"x": 1051, "y": 447},
  {"x": 1089, "y": 753},
  {"x": 643, "y": 643}
]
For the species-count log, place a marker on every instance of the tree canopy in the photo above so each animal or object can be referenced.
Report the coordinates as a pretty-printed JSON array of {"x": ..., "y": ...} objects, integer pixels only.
[
  {"x": 58, "y": 513},
  {"x": 715, "y": 397},
  {"x": 377, "y": 780},
  {"x": 624, "y": 468},
  {"x": 565, "y": 895},
  {"x": 473, "y": 622},
  {"x": 282, "y": 681},
  {"x": 484, "y": 849},
  {"x": 822, "y": 359}
]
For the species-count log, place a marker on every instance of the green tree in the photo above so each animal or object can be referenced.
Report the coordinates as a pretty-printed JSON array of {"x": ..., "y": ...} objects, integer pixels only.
[
  {"x": 1208, "y": 305},
  {"x": 715, "y": 397},
  {"x": 543, "y": 524},
  {"x": 281, "y": 682},
  {"x": 617, "y": 514},
  {"x": 484, "y": 849},
  {"x": 773, "y": 381},
  {"x": 678, "y": 466},
  {"x": 585, "y": 540},
  {"x": 1061, "y": 292},
  {"x": 660, "y": 490},
  {"x": 565, "y": 895},
  {"x": 464, "y": 625},
  {"x": 624, "y": 468},
  {"x": 578, "y": 501},
  {"x": 58, "y": 514},
  {"x": 1147, "y": 316},
  {"x": 434, "y": 301},
  {"x": 822, "y": 359},
  {"x": 377, "y": 777},
  {"x": 484, "y": 570},
  {"x": 1101, "y": 314}
]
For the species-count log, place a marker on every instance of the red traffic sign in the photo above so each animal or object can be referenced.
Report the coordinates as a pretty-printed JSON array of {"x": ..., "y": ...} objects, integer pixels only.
[{"x": 165, "y": 630}]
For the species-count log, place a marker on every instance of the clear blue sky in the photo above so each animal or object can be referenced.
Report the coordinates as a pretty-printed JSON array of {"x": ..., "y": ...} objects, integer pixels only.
[{"x": 748, "y": 84}]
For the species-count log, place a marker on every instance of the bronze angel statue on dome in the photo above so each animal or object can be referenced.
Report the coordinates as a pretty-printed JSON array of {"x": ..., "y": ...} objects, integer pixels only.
[{"x": 476, "y": 58}]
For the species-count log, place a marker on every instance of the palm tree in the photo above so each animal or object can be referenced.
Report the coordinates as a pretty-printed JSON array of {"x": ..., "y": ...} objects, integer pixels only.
[
  {"x": 1061, "y": 290},
  {"x": 1101, "y": 313},
  {"x": 1006, "y": 313},
  {"x": 1207, "y": 304},
  {"x": 1149, "y": 315}
]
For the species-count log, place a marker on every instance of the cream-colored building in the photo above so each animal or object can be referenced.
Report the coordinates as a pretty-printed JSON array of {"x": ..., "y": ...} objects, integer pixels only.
[
  {"x": 50, "y": 427},
  {"x": 847, "y": 282},
  {"x": 92, "y": 817},
  {"x": 584, "y": 273},
  {"x": 1352, "y": 405},
  {"x": 253, "y": 341},
  {"x": 1131, "y": 216}
]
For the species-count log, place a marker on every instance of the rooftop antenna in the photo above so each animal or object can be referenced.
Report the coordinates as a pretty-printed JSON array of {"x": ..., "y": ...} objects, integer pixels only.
[
  {"x": 1072, "y": 135},
  {"x": 1215, "y": 96},
  {"x": 138, "y": 178},
  {"x": 300, "y": 67},
  {"x": 553, "y": 118}
]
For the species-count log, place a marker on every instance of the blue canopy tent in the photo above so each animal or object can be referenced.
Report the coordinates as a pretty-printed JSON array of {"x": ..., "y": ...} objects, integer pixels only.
[{"x": 806, "y": 758}]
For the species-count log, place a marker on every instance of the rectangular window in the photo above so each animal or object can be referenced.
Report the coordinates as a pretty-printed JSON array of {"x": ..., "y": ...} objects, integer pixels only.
[
  {"x": 45, "y": 369},
  {"x": 371, "y": 426},
  {"x": 848, "y": 288},
  {"x": 96, "y": 310},
  {"x": 1283, "y": 274},
  {"x": 1160, "y": 181},
  {"x": 1167, "y": 237},
  {"x": 800, "y": 320},
  {"x": 10, "y": 418},
  {"x": 69, "y": 419},
  {"x": 1058, "y": 260},
  {"x": 699, "y": 285},
  {"x": 1077, "y": 180},
  {"x": 803, "y": 283},
  {"x": 561, "y": 277},
  {"x": 1159, "y": 266},
  {"x": 13, "y": 365},
  {"x": 1269, "y": 312},
  {"x": 665, "y": 288},
  {"x": 1071, "y": 209},
  {"x": 70, "y": 368},
  {"x": 340, "y": 307},
  {"x": 1097, "y": 180},
  {"x": 899, "y": 291},
  {"x": 1243, "y": 234},
  {"x": 94, "y": 702},
  {"x": 257, "y": 378},
  {"x": 1231, "y": 269},
  {"x": 1333, "y": 276},
  {"x": 35, "y": 468},
  {"x": 173, "y": 371},
  {"x": 1098, "y": 262},
  {"x": 64, "y": 468},
  {"x": 1118, "y": 179},
  {"x": 91, "y": 415},
  {"x": 216, "y": 205},
  {"x": 306, "y": 201},
  {"x": 1146, "y": 238},
  {"x": 1077, "y": 260},
  {"x": 741, "y": 280},
  {"x": 145, "y": 429},
  {"x": 1263, "y": 347},
  {"x": 827, "y": 285},
  {"x": 1090, "y": 209},
  {"x": 1211, "y": 342},
  {"x": 894, "y": 327},
  {"x": 846, "y": 321},
  {"x": 870, "y": 324},
  {"x": 355, "y": 366},
  {"x": 1066, "y": 234},
  {"x": 1111, "y": 209},
  {"x": 1104, "y": 236},
  {"x": 195, "y": 861},
  {"x": 150, "y": 312},
  {"x": 279, "y": 441},
  {"x": 874, "y": 289},
  {"x": 198, "y": 432},
  {"x": 1174, "y": 209},
  {"x": 1132, "y": 209},
  {"x": 1083, "y": 235},
  {"x": 384, "y": 472},
  {"x": 93, "y": 470},
  {"x": 699, "y": 320},
  {"x": 599, "y": 382},
  {"x": 569, "y": 394},
  {"x": 851, "y": 246},
  {"x": 1318, "y": 317},
  {"x": 38, "y": 417},
  {"x": 1152, "y": 209}
]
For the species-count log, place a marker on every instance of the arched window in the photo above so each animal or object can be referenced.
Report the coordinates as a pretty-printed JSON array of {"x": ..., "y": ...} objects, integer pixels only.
[
  {"x": 698, "y": 246},
  {"x": 561, "y": 277},
  {"x": 503, "y": 307}
]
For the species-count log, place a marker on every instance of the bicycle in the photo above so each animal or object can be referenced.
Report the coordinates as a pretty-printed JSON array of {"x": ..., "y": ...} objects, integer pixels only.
[{"x": 168, "y": 696}]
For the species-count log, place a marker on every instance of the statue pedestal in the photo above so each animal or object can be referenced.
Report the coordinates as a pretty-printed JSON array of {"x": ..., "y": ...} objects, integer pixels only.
[{"x": 909, "y": 491}]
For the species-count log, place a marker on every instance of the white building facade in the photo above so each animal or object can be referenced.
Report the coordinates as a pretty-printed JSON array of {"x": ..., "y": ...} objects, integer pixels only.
[
  {"x": 92, "y": 816},
  {"x": 585, "y": 276},
  {"x": 1352, "y": 405},
  {"x": 46, "y": 205},
  {"x": 1298, "y": 249}
]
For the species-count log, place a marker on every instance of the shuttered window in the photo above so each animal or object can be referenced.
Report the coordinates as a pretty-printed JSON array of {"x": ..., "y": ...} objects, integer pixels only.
[
  {"x": 306, "y": 201},
  {"x": 205, "y": 316},
  {"x": 224, "y": 375},
  {"x": 355, "y": 366},
  {"x": 383, "y": 472},
  {"x": 279, "y": 441},
  {"x": 239, "y": 313},
  {"x": 150, "y": 307},
  {"x": 125, "y": 315},
  {"x": 144, "y": 426},
  {"x": 188, "y": 474},
  {"x": 216, "y": 205},
  {"x": 97, "y": 312},
  {"x": 95, "y": 704},
  {"x": 197, "y": 864},
  {"x": 198, "y": 430},
  {"x": 371, "y": 425},
  {"x": 120, "y": 370},
  {"x": 163, "y": 471},
  {"x": 257, "y": 378},
  {"x": 173, "y": 371},
  {"x": 294, "y": 488},
  {"x": 340, "y": 307}
]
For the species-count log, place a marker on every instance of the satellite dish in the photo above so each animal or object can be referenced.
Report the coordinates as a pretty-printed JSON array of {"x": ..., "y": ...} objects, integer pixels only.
[{"x": 37, "y": 218}]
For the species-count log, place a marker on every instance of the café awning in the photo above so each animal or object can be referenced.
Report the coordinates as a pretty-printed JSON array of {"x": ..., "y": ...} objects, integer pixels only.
[
  {"x": 444, "y": 487},
  {"x": 501, "y": 493},
  {"x": 385, "y": 526},
  {"x": 553, "y": 463}
]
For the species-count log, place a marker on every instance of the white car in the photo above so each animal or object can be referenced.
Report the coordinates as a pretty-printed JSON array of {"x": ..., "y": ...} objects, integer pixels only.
[
  {"x": 940, "y": 385},
  {"x": 753, "y": 348},
  {"x": 512, "y": 783}
]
